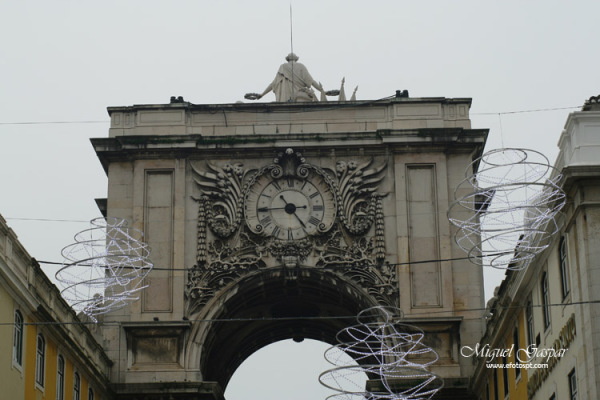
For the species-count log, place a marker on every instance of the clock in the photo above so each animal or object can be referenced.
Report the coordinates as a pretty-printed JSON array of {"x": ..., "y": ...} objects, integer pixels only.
[{"x": 291, "y": 207}]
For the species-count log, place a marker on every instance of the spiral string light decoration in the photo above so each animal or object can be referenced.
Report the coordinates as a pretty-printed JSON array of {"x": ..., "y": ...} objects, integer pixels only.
[
  {"x": 104, "y": 269},
  {"x": 506, "y": 212},
  {"x": 391, "y": 354}
]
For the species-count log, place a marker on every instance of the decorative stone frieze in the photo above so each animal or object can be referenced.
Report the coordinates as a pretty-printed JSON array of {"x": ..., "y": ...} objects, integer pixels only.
[{"x": 332, "y": 216}]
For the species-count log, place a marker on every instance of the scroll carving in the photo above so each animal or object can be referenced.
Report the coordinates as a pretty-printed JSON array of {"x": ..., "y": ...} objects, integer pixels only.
[
  {"x": 357, "y": 200},
  {"x": 222, "y": 194},
  {"x": 353, "y": 248}
]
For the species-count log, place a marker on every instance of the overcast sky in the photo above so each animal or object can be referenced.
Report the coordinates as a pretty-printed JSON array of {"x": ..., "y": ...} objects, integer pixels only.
[{"x": 66, "y": 61}]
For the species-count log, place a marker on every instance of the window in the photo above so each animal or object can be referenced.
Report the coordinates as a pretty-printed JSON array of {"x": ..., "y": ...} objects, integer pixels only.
[
  {"x": 76, "y": 386},
  {"x": 40, "y": 360},
  {"x": 60, "y": 379},
  {"x": 562, "y": 262},
  {"x": 573, "y": 384},
  {"x": 18, "y": 339},
  {"x": 505, "y": 376},
  {"x": 495, "y": 384},
  {"x": 529, "y": 316},
  {"x": 90, "y": 394},
  {"x": 516, "y": 344},
  {"x": 545, "y": 300}
]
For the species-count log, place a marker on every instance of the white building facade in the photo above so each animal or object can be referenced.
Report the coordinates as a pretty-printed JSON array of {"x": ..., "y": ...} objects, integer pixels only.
[{"x": 553, "y": 305}]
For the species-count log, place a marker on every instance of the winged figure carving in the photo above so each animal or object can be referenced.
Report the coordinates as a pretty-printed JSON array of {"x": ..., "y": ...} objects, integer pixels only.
[
  {"x": 357, "y": 200},
  {"x": 222, "y": 188}
]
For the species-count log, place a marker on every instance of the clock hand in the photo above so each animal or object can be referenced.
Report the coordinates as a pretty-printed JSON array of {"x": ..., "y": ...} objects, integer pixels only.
[
  {"x": 299, "y": 220},
  {"x": 288, "y": 206},
  {"x": 264, "y": 209}
]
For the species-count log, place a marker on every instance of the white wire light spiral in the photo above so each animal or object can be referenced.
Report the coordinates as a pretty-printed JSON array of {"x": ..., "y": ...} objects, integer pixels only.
[
  {"x": 506, "y": 212},
  {"x": 391, "y": 354},
  {"x": 105, "y": 268}
]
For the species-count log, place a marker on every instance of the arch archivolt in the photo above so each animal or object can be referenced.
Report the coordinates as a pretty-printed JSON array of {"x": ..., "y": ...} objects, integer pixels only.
[{"x": 268, "y": 306}]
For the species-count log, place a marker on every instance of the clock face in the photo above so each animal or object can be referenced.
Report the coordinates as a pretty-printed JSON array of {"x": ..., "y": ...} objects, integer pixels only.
[{"x": 290, "y": 208}]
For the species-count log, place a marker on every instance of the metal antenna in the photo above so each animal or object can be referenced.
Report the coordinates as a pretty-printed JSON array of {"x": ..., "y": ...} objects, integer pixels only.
[{"x": 293, "y": 98}]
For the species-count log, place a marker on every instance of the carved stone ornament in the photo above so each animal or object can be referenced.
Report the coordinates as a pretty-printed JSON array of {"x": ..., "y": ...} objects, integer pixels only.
[{"x": 294, "y": 214}]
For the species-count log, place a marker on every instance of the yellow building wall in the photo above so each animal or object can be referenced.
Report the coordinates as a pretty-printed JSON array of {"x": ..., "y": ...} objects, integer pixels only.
[
  {"x": 17, "y": 385},
  {"x": 84, "y": 389},
  {"x": 29, "y": 360},
  {"x": 12, "y": 380},
  {"x": 68, "y": 379},
  {"x": 517, "y": 389},
  {"x": 18, "y": 274},
  {"x": 33, "y": 391},
  {"x": 490, "y": 394},
  {"x": 51, "y": 368}
]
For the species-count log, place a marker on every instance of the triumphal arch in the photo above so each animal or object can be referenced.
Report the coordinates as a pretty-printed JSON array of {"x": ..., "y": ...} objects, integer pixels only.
[{"x": 270, "y": 221}]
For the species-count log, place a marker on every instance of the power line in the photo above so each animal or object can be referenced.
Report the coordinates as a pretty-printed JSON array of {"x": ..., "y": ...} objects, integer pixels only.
[
  {"x": 54, "y": 122},
  {"x": 526, "y": 111},
  {"x": 46, "y": 219},
  {"x": 345, "y": 266},
  {"x": 306, "y": 318},
  {"x": 402, "y": 214},
  {"x": 350, "y": 104}
]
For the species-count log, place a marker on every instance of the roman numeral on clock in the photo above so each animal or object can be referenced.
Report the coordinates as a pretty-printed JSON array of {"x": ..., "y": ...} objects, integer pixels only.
[
  {"x": 318, "y": 207},
  {"x": 265, "y": 221},
  {"x": 314, "y": 220}
]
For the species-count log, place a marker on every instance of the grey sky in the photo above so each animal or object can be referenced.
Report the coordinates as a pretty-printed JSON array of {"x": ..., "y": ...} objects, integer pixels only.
[{"x": 68, "y": 61}]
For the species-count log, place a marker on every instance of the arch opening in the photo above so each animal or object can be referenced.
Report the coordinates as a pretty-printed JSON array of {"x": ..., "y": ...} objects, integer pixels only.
[
  {"x": 294, "y": 366},
  {"x": 273, "y": 306}
]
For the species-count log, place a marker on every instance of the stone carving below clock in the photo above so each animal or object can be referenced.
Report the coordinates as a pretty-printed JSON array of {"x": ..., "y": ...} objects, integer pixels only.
[
  {"x": 227, "y": 265},
  {"x": 356, "y": 261},
  {"x": 299, "y": 249},
  {"x": 290, "y": 213}
]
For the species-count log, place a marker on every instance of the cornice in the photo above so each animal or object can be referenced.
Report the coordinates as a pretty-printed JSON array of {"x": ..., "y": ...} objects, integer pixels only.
[
  {"x": 396, "y": 141},
  {"x": 303, "y": 107}
]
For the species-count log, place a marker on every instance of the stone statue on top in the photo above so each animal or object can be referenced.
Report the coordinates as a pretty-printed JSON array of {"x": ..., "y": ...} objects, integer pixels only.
[{"x": 293, "y": 83}]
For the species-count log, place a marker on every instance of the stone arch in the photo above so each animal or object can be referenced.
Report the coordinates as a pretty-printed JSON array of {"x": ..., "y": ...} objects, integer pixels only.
[{"x": 218, "y": 348}]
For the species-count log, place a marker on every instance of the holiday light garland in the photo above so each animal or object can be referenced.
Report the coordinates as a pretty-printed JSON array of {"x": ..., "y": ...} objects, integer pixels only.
[
  {"x": 506, "y": 212},
  {"x": 392, "y": 355},
  {"x": 104, "y": 269}
]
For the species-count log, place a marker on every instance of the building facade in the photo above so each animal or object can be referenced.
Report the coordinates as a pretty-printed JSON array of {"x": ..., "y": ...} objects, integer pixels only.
[
  {"x": 268, "y": 221},
  {"x": 46, "y": 352},
  {"x": 552, "y": 303}
]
